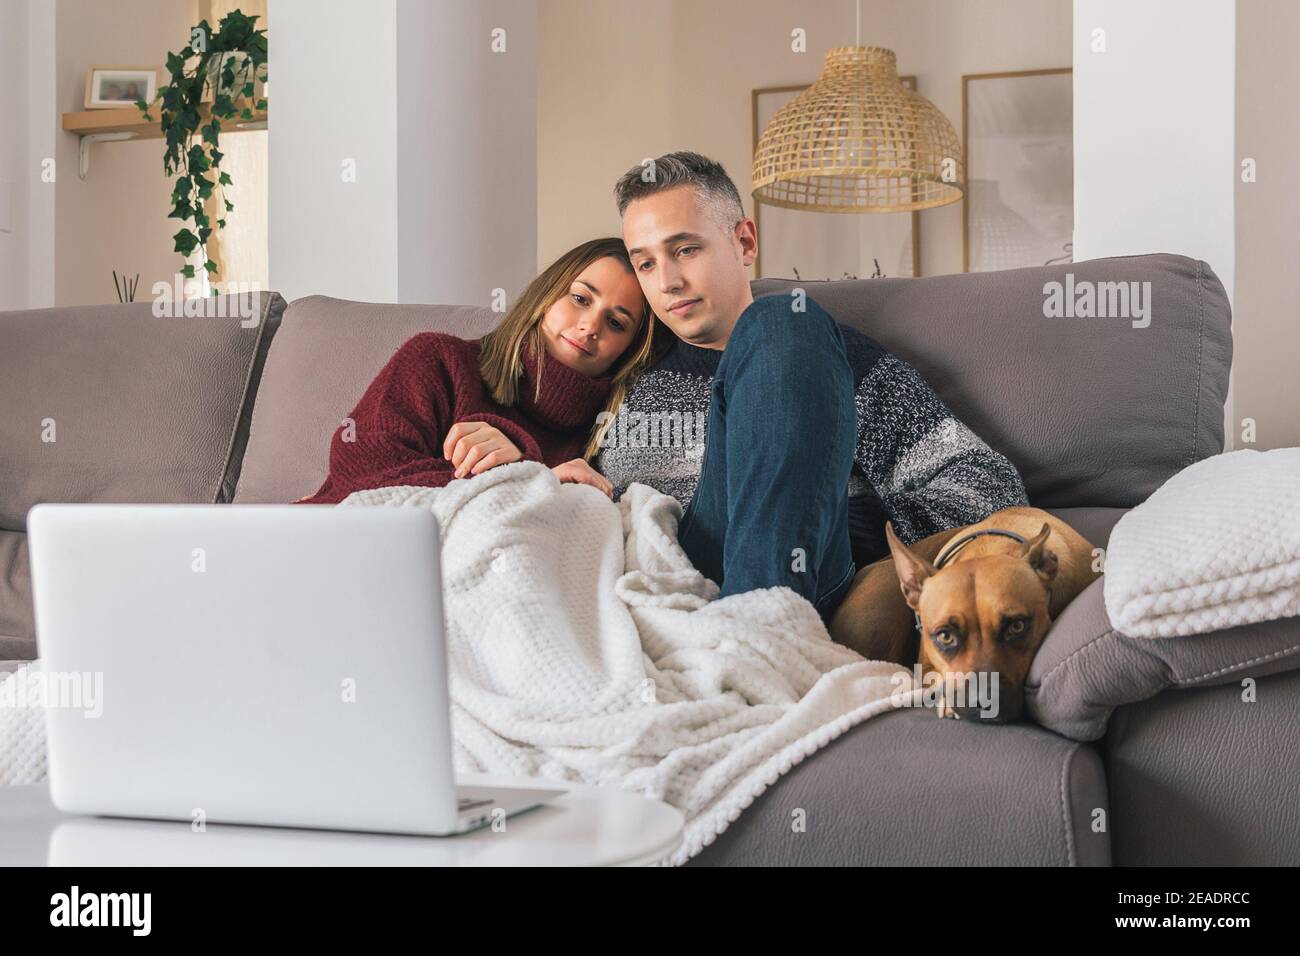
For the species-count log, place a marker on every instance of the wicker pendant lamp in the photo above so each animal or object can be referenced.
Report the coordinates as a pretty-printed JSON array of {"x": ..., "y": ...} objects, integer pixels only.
[{"x": 858, "y": 140}]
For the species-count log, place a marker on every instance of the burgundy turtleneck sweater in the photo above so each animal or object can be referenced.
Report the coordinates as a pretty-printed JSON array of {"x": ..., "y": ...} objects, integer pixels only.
[{"x": 431, "y": 383}]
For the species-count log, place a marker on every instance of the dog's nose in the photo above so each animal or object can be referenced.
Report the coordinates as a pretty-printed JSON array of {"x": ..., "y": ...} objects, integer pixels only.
[
  {"x": 1005, "y": 710},
  {"x": 1007, "y": 707},
  {"x": 980, "y": 715}
]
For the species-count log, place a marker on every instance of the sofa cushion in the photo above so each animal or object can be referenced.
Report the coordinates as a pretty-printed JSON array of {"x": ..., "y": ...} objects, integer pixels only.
[
  {"x": 325, "y": 354},
  {"x": 1055, "y": 417},
  {"x": 1092, "y": 411},
  {"x": 1207, "y": 778},
  {"x": 141, "y": 408},
  {"x": 16, "y": 616},
  {"x": 1095, "y": 524},
  {"x": 1085, "y": 668},
  {"x": 909, "y": 789}
]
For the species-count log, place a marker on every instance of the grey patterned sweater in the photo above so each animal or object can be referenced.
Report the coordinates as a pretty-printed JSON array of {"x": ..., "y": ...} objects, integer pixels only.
[{"x": 915, "y": 463}]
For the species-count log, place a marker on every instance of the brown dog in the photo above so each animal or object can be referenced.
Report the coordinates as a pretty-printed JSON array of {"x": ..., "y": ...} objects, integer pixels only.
[{"x": 986, "y": 610}]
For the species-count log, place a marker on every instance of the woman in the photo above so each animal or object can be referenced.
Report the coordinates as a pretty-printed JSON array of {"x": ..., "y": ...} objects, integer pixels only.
[{"x": 532, "y": 389}]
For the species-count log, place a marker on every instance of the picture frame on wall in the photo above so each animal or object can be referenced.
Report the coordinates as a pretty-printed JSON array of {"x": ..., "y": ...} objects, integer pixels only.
[
  {"x": 118, "y": 87},
  {"x": 1017, "y": 137},
  {"x": 828, "y": 245}
]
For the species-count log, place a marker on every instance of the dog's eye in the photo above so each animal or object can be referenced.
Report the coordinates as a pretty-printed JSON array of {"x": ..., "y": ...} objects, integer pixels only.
[
  {"x": 945, "y": 638},
  {"x": 1015, "y": 628}
]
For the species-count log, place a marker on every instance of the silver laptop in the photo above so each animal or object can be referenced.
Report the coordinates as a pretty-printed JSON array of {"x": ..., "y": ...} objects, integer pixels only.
[{"x": 281, "y": 665}]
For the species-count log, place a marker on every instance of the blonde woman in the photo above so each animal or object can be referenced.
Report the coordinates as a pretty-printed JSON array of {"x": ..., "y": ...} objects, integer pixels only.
[{"x": 532, "y": 389}]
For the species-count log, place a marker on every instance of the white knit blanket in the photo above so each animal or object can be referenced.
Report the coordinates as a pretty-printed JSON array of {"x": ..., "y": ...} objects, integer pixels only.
[
  {"x": 584, "y": 647},
  {"x": 22, "y": 728},
  {"x": 1216, "y": 546}
]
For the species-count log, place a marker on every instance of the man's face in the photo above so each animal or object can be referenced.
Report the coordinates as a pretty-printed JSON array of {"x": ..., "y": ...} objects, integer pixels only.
[{"x": 691, "y": 269}]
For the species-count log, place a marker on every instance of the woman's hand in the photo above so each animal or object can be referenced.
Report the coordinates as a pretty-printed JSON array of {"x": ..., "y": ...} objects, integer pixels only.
[
  {"x": 474, "y": 447},
  {"x": 581, "y": 473}
]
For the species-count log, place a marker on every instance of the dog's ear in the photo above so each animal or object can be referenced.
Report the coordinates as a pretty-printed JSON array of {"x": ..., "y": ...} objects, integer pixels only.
[
  {"x": 1040, "y": 557},
  {"x": 912, "y": 569}
]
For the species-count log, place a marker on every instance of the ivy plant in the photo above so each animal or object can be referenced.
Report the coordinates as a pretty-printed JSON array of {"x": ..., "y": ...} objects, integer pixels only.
[{"x": 192, "y": 153}]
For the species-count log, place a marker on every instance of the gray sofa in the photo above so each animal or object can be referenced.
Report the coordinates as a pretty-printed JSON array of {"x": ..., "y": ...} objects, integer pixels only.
[{"x": 1137, "y": 751}]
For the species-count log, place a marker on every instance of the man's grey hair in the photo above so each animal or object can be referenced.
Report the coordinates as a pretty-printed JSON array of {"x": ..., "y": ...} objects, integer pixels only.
[{"x": 683, "y": 168}]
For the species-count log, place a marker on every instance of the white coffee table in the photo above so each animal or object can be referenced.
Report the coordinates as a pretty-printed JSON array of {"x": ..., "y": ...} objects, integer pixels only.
[{"x": 589, "y": 826}]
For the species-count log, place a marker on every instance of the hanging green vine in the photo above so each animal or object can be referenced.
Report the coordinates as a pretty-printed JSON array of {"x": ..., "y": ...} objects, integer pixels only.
[{"x": 192, "y": 144}]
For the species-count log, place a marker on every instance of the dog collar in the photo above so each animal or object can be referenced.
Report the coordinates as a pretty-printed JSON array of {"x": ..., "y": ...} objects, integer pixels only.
[{"x": 954, "y": 546}]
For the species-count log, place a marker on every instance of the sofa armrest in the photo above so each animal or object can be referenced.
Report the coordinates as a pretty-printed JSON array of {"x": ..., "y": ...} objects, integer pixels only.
[
  {"x": 1086, "y": 668},
  {"x": 15, "y": 652}
]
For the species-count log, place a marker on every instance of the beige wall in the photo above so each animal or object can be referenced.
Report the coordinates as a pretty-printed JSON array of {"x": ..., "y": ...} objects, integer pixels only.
[
  {"x": 15, "y": 171},
  {"x": 605, "y": 92},
  {"x": 1266, "y": 312},
  {"x": 620, "y": 80},
  {"x": 117, "y": 218}
]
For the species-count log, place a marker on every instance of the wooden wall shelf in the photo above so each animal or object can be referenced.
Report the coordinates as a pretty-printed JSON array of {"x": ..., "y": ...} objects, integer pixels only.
[{"x": 105, "y": 126}]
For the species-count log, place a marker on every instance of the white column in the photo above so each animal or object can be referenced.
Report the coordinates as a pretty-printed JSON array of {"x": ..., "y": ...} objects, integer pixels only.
[
  {"x": 467, "y": 149},
  {"x": 403, "y": 158},
  {"x": 1154, "y": 126},
  {"x": 27, "y": 172},
  {"x": 13, "y": 155},
  {"x": 43, "y": 126},
  {"x": 332, "y": 198}
]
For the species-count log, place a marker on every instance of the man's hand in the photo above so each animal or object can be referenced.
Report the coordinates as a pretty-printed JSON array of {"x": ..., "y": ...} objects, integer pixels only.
[
  {"x": 581, "y": 473},
  {"x": 474, "y": 447}
]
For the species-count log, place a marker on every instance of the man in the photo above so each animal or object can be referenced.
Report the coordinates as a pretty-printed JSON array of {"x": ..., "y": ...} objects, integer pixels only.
[{"x": 814, "y": 434}]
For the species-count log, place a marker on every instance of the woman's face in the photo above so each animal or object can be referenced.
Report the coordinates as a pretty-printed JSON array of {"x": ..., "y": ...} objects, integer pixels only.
[{"x": 594, "y": 322}]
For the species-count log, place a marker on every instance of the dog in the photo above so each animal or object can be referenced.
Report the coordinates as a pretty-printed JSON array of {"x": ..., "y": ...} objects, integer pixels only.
[{"x": 986, "y": 610}]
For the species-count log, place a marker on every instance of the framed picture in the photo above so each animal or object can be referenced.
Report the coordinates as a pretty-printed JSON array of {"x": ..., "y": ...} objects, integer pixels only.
[
  {"x": 793, "y": 243},
  {"x": 1017, "y": 134},
  {"x": 116, "y": 87}
]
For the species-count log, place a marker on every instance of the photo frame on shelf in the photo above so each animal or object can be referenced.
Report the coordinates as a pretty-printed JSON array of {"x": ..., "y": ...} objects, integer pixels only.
[
  {"x": 1017, "y": 137},
  {"x": 828, "y": 245},
  {"x": 118, "y": 87}
]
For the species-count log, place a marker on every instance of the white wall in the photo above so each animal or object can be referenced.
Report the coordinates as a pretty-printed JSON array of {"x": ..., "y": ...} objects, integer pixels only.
[
  {"x": 27, "y": 116},
  {"x": 1154, "y": 166},
  {"x": 443, "y": 135},
  {"x": 42, "y": 136},
  {"x": 1153, "y": 129}
]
